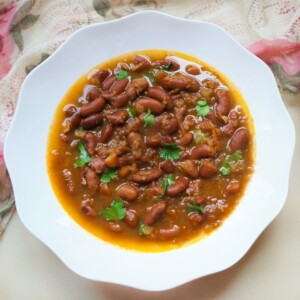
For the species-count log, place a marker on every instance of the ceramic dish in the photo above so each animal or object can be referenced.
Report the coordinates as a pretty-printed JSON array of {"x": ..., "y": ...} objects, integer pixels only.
[{"x": 43, "y": 89}]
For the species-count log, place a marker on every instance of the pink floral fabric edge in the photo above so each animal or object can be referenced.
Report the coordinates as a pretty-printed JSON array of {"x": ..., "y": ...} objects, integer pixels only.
[
  {"x": 7, "y": 14},
  {"x": 283, "y": 57}
]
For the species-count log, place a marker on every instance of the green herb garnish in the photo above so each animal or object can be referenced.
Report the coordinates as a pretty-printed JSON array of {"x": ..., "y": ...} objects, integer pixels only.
[
  {"x": 149, "y": 119},
  {"x": 144, "y": 230},
  {"x": 83, "y": 157},
  {"x": 122, "y": 74},
  {"x": 115, "y": 212},
  {"x": 151, "y": 76},
  {"x": 225, "y": 169},
  {"x": 202, "y": 108},
  {"x": 167, "y": 67},
  {"x": 167, "y": 181},
  {"x": 108, "y": 175},
  {"x": 170, "y": 152},
  {"x": 197, "y": 208},
  {"x": 131, "y": 111}
]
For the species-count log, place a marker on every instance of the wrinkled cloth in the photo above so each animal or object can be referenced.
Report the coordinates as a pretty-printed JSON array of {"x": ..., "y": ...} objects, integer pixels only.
[{"x": 31, "y": 30}]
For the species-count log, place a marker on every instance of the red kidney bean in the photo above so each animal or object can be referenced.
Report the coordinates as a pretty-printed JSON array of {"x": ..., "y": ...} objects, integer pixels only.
[
  {"x": 223, "y": 102},
  {"x": 107, "y": 83},
  {"x": 92, "y": 107},
  {"x": 147, "y": 175},
  {"x": 106, "y": 133},
  {"x": 87, "y": 207},
  {"x": 211, "y": 116},
  {"x": 115, "y": 227},
  {"x": 70, "y": 183},
  {"x": 117, "y": 88},
  {"x": 100, "y": 76},
  {"x": 70, "y": 110},
  {"x": 97, "y": 164},
  {"x": 162, "y": 96},
  {"x": 195, "y": 218},
  {"x": 186, "y": 139},
  {"x": 131, "y": 218},
  {"x": 167, "y": 166},
  {"x": 167, "y": 124},
  {"x": 92, "y": 121},
  {"x": 127, "y": 192},
  {"x": 119, "y": 101},
  {"x": 119, "y": 117},
  {"x": 145, "y": 103},
  {"x": 180, "y": 83},
  {"x": 154, "y": 213},
  {"x": 168, "y": 233},
  {"x": 192, "y": 69},
  {"x": 233, "y": 187},
  {"x": 74, "y": 122},
  {"x": 239, "y": 140},
  {"x": 92, "y": 93},
  {"x": 202, "y": 151},
  {"x": 189, "y": 167},
  {"x": 207, "y": 168},
  {"x": 180, "y": 185},
  {"x": 136, "y": 87},
  {"x": 142, "y": 63},
  {"x": 233, "y": 123},
  {"x": 92, "y": 181},
  {"x": 91, "y": 143},
  {"x": 168, "y": 61},
  {"x": 154, "y": 141}
]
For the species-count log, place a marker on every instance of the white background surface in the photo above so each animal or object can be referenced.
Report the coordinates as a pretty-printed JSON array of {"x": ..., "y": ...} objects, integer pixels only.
[{"x": 270, "y": 270}]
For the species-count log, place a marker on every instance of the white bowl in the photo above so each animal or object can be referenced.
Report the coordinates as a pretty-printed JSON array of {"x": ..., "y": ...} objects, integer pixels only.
[{"x": 45, "y": 86}]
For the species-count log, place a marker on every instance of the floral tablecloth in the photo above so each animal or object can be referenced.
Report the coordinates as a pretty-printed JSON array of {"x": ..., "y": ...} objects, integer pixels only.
[{"x": 31, "y": 30}]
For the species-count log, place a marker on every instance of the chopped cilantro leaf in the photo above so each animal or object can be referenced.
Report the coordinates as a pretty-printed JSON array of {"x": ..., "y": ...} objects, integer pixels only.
[
  {"x": 170, "y": 152},
  {"x": 167, "y": 181},
  {"x": 149, "y": 119},
  {"x": 193, "y": 207},
  {"x": 122, "y": 74},
  {"x": 83, "y": 157},
  {"x": 115, "y": 212},
  {"x": 143, "y": 229},
  {"x": 167, "y": 67},
  {"x": 108, "y": 175},
  {"x": 229, "y": 159},
  {"x": 202, "y": 108},
  {"x": 151, "y": 76},
  {"x": 131, "y": 111}
]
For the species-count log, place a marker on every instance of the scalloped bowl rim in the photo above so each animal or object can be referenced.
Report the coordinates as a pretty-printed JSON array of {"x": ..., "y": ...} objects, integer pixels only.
[{"x": 87, "y": 255}]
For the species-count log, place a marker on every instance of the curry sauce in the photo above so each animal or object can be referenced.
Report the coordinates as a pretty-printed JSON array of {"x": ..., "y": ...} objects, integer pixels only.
[{"x": 151, "y": 150}]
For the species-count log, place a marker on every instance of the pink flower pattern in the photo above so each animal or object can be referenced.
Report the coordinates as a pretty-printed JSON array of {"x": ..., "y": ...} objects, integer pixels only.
[{"x": 7, "y": 14}]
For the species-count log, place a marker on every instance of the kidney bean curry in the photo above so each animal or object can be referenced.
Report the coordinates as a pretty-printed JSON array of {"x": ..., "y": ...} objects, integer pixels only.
[{"x": 151, "y": 150}]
